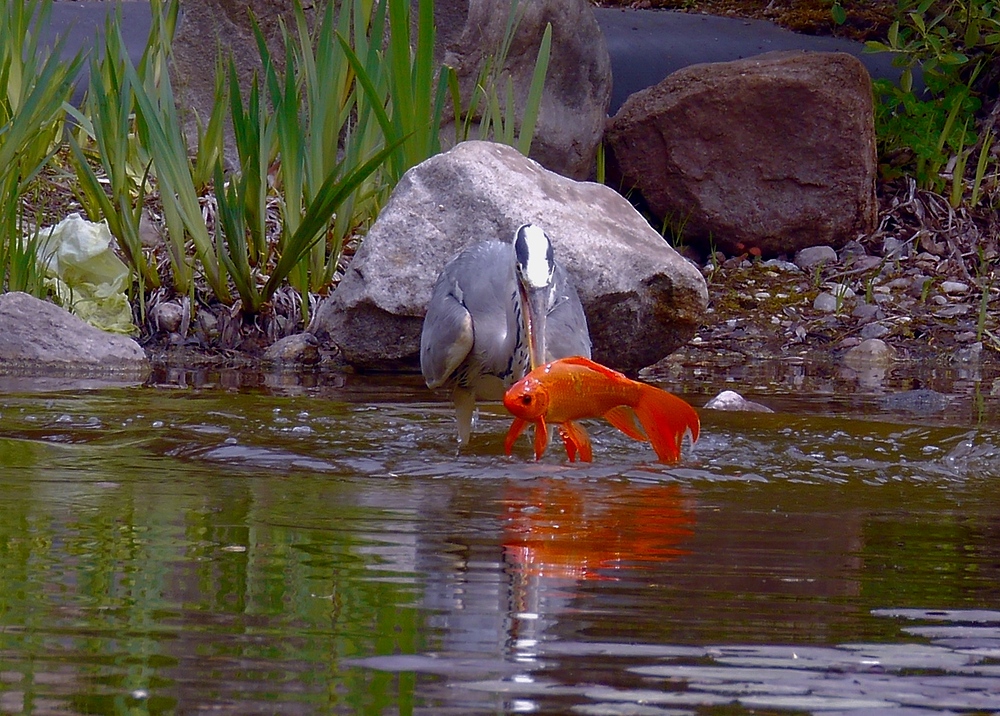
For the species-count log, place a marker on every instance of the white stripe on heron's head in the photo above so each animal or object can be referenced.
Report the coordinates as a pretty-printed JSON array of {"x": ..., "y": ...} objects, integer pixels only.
[{"x": 535, "y": 261}]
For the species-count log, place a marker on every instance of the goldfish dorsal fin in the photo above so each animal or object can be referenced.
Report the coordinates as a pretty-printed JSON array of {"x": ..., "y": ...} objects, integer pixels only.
[{"x": 596, "y": 367}]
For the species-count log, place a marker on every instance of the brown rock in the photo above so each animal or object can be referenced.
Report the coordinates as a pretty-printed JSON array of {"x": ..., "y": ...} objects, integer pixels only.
[{"x": 775, "y": 152}]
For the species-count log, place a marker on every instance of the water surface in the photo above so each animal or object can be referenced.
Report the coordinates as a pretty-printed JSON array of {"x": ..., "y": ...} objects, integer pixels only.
[{"x": 321, "y": 546}]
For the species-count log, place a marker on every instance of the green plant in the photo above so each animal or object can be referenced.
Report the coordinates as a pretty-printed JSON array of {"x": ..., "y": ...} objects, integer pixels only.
[
  {"x": 161, "y": 132},
  {"x": 35, "y": 88},
  {"x": 950, "y": 42},
  {"x": 106, "y": 124},
  {"x": 837, "y": 13},
  {"x": 306, "y": 136},
  {"x": 984, "y": 277},
  {"x": 493, "y": 103}
]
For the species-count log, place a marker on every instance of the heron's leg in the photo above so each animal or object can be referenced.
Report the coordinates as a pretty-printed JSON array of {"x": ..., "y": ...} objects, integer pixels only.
[{"x": 465, "y": 405}]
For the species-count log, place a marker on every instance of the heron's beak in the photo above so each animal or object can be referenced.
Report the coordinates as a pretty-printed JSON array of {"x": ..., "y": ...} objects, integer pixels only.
[{"x": 535, "y": 304}]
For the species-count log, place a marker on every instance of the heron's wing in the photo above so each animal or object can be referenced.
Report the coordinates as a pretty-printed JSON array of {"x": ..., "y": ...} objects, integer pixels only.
[
  {"x": 566, "y": 332},
  {"x": 447, "y": 335},
  {"x": 468, "y": 313}
]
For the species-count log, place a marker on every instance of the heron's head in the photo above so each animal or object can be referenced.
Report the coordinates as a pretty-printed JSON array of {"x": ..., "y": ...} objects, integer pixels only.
[
  {"x": 534, "y": 266},
  {"x": 535, "y": 262}
]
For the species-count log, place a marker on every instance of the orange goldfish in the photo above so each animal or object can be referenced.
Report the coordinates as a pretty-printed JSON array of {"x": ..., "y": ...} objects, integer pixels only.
[{"x": 568, "y": 389}]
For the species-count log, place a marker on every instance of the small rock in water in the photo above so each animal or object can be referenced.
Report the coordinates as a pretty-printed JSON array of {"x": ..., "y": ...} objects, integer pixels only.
[
  {"x": 300, "y": 349},
  {"x": 731, "y": 400},
  {"x": 921, "y": 401},
  {"x": 870, "y": 352},
  {"x": 970, "y": 354}
]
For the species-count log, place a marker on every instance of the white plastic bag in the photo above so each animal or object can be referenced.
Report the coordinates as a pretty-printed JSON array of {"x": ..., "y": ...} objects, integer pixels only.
[{"x": 85, "y": 274}]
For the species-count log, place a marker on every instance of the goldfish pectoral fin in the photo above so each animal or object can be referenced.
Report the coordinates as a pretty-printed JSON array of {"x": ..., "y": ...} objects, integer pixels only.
[
  {"x": 624, "y": 418},
  {"x": 666, "y": 419},
  {"x": 576, "y": 440},
  {"x": 516, "y": 428},
  {"x": 541, "y": 438}
]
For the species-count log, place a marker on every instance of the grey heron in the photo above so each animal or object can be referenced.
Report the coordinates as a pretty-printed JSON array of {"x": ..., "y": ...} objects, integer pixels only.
[{"x": 497, "y": 310}]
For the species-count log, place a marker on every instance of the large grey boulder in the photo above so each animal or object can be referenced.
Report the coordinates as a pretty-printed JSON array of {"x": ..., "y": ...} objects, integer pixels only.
[
  {"x": 642, "y": 299},
  {"x": 775, "y": 152},
  {"x": 41, "y": 338},
  {"x": 577, "y": 86}
]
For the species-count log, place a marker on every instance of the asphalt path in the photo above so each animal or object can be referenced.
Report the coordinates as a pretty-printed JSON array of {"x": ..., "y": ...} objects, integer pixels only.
[
  {"x": 645, "y": 45},
  {"x": 83, "y": 23}
]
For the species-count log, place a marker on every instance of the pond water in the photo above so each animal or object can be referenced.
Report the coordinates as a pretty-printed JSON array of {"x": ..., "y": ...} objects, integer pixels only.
[{"x": 306, "y": 545}]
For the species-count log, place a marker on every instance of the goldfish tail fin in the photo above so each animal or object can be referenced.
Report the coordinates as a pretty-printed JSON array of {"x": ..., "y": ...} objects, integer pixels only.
[
  {"x": 575, "y": 439},
  {"x": 624, "y": 418},
  {"x": 516, "y": 428},
  {"x": 666, "y": 419},
  {"x": 541, "y": 437}
]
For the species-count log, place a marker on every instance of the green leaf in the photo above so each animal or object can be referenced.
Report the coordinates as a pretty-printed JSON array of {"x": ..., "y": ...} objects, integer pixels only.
[
  {"x": 533, "y": 103},
  {"x": 972, "y": 34},
  {"x": 893, "y": 35},
  {"x": 953, "y": 58},
  {"x": 838, "y": 13}
]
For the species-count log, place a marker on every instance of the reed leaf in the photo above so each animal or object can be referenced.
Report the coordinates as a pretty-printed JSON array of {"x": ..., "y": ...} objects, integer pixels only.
[{"x": 161, "y": 132}]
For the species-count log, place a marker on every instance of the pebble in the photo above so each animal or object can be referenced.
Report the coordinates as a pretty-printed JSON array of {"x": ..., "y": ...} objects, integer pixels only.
[
  {"x": 954, "y": 287},
  {"x": 826, "y": 302},
  {"x": 870, "y": 352},
  {"x": 865, "y": 311},
  {"x": 733, "y": 401},
  {"x": 813, "y": 256},
  {"x": 298, "y": 349},
  {"x": 893, "y": 248},
  {"x": 972, "y": 354},
  {"x": 785, "y": 265},
  {"x": 874, "y": 330},
  {"x": 852, "y": 251},
  {"x": 839, "y": 289},
  {"x": 921, "y": 400},
  {"x": 952, "y": 312}
]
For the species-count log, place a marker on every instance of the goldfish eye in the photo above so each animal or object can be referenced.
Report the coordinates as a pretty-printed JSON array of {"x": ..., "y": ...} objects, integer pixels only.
[{"x": 526, "y": 400}]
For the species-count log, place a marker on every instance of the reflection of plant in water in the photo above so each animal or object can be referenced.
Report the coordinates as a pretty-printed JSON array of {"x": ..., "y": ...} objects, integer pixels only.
[{"x": 563, "y": 530}]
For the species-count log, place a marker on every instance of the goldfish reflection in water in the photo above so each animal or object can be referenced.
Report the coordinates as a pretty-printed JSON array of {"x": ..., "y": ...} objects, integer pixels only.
[{"x": 564, "y": 530}]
